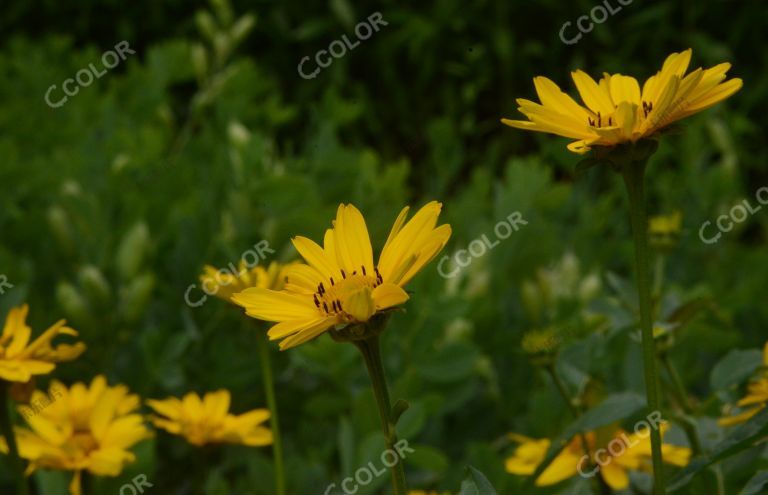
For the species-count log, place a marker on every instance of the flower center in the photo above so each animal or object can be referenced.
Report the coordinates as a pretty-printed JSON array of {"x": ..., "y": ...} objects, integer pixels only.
[
  {"x": 598, "y": 121},
  {"x": 349, "y": 297}
]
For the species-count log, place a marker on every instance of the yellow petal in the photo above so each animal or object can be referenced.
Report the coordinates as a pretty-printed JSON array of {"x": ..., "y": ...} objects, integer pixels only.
[
  {"x": 592, "y": 94},
  {"x": 388, "y": 295},
  {"x": 271, "y": 305},
  {"x": 352, "y": 243}
]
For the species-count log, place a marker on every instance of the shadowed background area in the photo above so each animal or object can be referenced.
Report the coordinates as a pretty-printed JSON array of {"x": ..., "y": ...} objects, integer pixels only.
[{"x": 207, "y": 141}]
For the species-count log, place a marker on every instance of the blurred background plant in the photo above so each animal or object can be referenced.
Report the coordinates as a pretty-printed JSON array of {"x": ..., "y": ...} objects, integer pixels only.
[{"x": 208, "y": 141}]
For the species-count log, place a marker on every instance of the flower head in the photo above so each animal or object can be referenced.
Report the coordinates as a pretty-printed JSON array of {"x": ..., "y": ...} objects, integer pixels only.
[
  {"x": 616, "y": 110},
  {"x": 754, "y": 401},
  {"x": 664, "y": 230},
  {"x": 20, "y": 359},
  {"x": 623, "y": 453},
  {"x": 207, "y": 420},
  {"x": 223, "y": 284},
  {"x": 81, "y": 428},
  {"x": 339, "y": 285}
]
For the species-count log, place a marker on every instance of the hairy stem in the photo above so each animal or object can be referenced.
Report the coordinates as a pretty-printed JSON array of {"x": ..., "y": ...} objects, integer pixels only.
[
  {"x": 634, "y": 177},
  {"x": 10, "y": 439},
  {"x": 371, "y": 351},
  {"x": 265, "y": 361}
]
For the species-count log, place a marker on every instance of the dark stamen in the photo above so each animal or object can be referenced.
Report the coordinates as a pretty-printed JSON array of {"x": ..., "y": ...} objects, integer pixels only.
[
  {"x": 332, "y": 282},
  {"x": 343, "y": 275},
  {"x": 317, "y": 303},
  {"x": 364, "y": 270},
  {"x": 325, "y": 306}
]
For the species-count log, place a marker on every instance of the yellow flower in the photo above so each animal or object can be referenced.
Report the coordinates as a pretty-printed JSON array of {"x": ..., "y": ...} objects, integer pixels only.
[
  {"x": 81, "y": 428},
  {"x": 665, "y": 225},
  {"x": 20, "y": 359},
  {"x": 207, "y": 420},
  {"x": 617, "y": 111},
  {"x": 754, "y": 401},
  {"x": 664, "y": 230},
  {"x": 340, "y": 285},
  {"x": 223, "y": 284},
  {"x": 632, "y": 453}
]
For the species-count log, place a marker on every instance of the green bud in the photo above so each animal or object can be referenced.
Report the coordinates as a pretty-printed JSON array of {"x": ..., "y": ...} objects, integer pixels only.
[
  {"x": 61, "y": 227},
  {"x": 132, "y": 251},
  {"x": 134, "y": 297},
  {"x": 95, "y": 285},
  {"x": 73, "y": 304},
  {"x": 242, "y": 27},
  {"x": 206, "y": 24}
]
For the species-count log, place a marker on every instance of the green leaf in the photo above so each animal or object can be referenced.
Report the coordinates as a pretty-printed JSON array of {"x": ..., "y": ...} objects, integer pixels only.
[
  {"x": 426, "y": 457},
  {"x": 756, "y": 485},
  {"x": 735, "y": 367},
  {"x": 476, "y": 484},
  {"x": 742, "y": 438}
]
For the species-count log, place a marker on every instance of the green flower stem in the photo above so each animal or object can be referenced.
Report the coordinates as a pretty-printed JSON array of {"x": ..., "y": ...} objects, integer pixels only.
[
  {"x": 677, "y": 385},
  {"x": 86, "y": 483},
  {"x": 633, "y": 172},
  {"x": 576, "y": 411},
  {"x": 10, "y": 438},
  {"x": 269, "y": 387},
  {"x": 371, "y": 351}
]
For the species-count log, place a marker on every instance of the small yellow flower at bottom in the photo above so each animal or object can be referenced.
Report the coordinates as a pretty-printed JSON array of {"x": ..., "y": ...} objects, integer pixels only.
[
  {"x": 21, "y": 359},
  {"x": 754, "y": 401},
  {"x": 207, "y": 420},
  {"x": 81, "y": 428},
  {"x": 635, "y": 454}
]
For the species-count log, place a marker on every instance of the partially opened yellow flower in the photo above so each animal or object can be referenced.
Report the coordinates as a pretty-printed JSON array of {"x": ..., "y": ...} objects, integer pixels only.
[
  {"x": 207, "y": 420},
  {"x": 20, "y": 359},
  {"x": 82, "y": 428},
  {"x": 223, "y": 283},
  {"x": 754, "y": 401},
  {"x": 623, "y": 453},
  {"x": 340, "y": 285},
  {"x": 617, "y": 110}
]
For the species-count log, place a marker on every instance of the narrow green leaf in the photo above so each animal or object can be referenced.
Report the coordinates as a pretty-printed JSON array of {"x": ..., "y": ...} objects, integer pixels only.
[
  {"x": 742, "y": 438},
  {"x": 757, "y": 484},
  {"x": 476, "y": 484}
]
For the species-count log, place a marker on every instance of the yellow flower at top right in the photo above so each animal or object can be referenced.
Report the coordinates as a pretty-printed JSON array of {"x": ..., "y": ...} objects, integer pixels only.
[{"x": 616, "y": 110}]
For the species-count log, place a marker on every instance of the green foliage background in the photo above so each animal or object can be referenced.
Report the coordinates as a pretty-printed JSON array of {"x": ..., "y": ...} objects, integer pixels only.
[{"x": 112, "y": 203}]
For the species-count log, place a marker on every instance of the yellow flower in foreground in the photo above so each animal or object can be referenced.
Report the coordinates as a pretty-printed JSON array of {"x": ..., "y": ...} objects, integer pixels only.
[
  {"x": 625, "y": 452},
  {"x": 340, "y": 285},
  {"x": 224, "y": 283},
  {"x": 20, "y": 359},
  {"x": 81, "y": 428},
  {"x": 616, "y": 109},
  {"x": 207, "y": 420},
  {"x": 754, "y": 401}
]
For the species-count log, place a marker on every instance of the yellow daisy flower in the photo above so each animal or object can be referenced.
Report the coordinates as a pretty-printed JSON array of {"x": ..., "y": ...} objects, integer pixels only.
[
  {"x": 82, "y": 428},
  {"x": 340, "y": 285},
  {"x": 20, "y": 359},
  {"x": 223, "y": 284},
  {"x": 207, "y": 420},
  {"x": 754, "y": 401},
  {"x": 616, "y": 110},
  {"x": 632, "y": 453}
]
